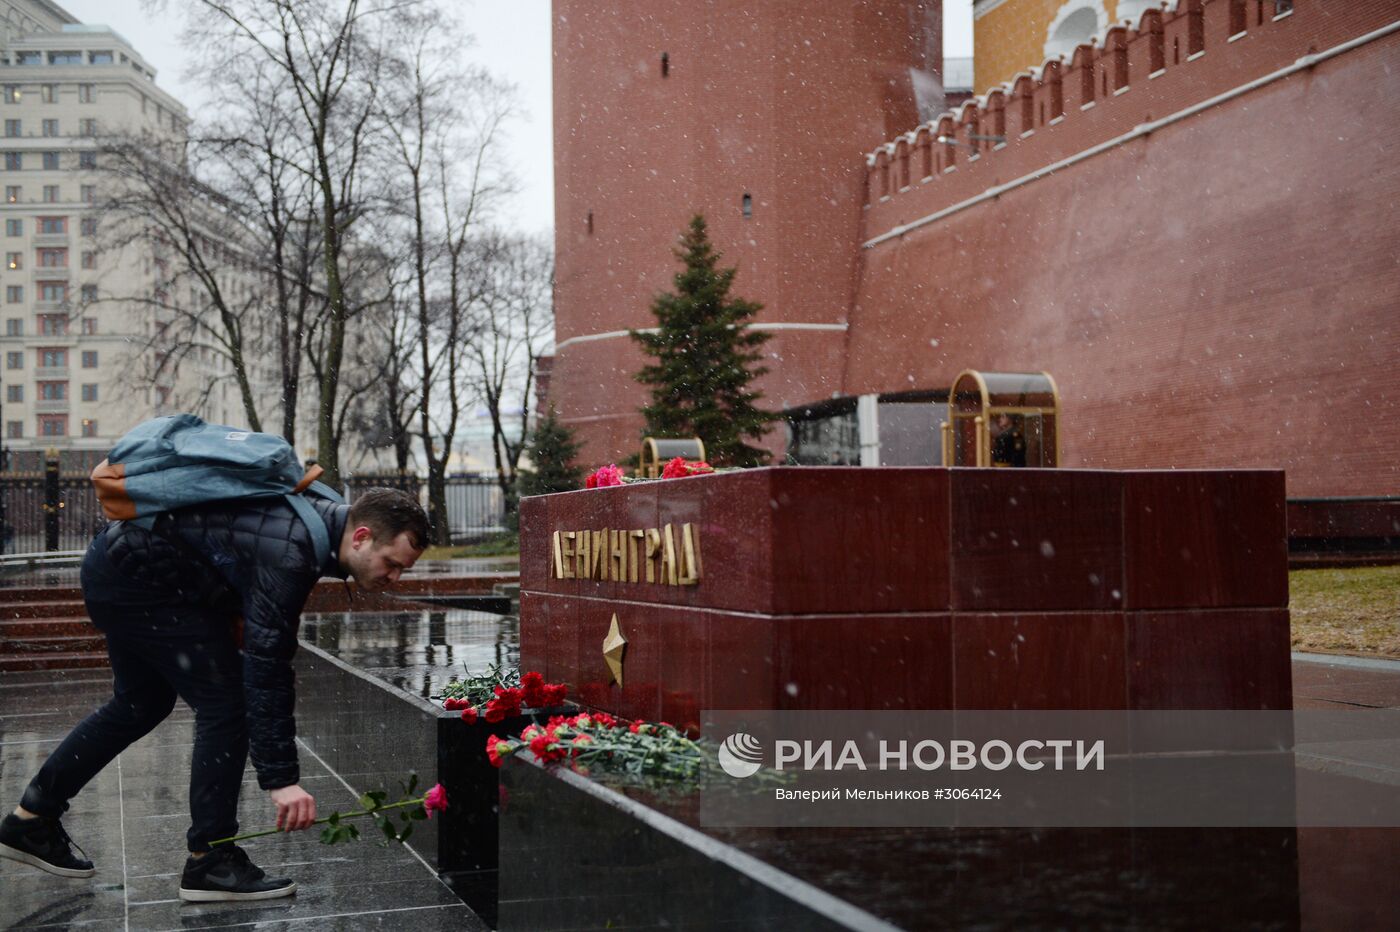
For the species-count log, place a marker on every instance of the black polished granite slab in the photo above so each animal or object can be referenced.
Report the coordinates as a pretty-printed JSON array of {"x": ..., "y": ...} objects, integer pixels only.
[
  {"x": 576, "y": 853},
  {"x": 363, "y": 685}
]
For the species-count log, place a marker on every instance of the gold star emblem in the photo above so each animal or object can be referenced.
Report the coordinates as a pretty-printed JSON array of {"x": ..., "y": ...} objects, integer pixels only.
[{"x": 614, "y": 646}]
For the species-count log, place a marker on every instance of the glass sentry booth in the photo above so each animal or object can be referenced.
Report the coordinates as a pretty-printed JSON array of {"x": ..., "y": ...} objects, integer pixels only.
[{"x": 1002, "y": 419}]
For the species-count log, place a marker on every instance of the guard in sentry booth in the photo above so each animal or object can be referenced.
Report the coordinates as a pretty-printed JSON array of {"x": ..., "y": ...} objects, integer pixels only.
[{"x": 213, "y": 525}]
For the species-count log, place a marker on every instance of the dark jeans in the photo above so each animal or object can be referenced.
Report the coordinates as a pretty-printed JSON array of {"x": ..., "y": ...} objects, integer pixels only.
[{"x": 160, "y": 649}]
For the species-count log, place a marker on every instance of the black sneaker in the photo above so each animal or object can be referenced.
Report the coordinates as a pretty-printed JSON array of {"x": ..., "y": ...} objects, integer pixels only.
[
  {"x": 43, "y": 843},
  {"x": 225, "y": 874}
]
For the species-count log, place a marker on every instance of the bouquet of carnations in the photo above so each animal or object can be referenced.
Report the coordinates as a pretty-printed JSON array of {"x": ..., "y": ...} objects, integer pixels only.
[{"x": 500, "y": 693}]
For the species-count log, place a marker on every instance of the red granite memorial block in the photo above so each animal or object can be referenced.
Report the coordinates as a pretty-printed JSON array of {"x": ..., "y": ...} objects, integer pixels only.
[
  {"x": 852, "y": 540},
  {"x": 1036, "y": 539},
  {"x": 1205, "y": 539},
  {"x": 1059, "y": 660},
  {"x": 534, "y": 652},
  {"x": 535, "y": 528},
  {"x": 1211, "y": 659},
  {"x": 812, "y": 588},
  {"x": 862, "y": 662},
  {"x": 741, "y": 666}
]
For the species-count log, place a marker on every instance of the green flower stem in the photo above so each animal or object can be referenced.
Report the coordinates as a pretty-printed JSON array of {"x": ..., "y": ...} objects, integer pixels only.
[{"x": 326, "y": 820}]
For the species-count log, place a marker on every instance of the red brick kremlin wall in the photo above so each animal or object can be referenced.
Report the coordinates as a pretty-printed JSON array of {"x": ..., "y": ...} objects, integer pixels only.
[{"x": 1223, "y": 290}]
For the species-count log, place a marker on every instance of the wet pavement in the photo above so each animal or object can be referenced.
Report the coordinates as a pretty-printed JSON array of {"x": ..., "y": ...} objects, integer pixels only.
[{"x": 131, "y": 821}]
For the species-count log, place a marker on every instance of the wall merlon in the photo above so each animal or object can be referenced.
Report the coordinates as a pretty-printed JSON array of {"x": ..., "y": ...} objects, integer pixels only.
[{"x": 1186, "y": 52}]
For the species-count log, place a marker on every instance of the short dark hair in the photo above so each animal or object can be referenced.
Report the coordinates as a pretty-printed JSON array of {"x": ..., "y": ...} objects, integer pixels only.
[{"x": 389, "y": 513}]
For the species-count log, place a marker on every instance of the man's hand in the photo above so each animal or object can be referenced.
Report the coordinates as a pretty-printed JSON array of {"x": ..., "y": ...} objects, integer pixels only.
[{"x": 296, "y": 808}]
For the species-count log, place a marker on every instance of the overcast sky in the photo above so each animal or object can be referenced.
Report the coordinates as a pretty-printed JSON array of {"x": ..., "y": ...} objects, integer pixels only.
[{"x": 512, "y": 41}]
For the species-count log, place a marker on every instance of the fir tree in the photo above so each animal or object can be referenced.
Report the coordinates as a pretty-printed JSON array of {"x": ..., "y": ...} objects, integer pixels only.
[
  {"x": 706, "y": 357},
  {"x": 551, "y": 449}
]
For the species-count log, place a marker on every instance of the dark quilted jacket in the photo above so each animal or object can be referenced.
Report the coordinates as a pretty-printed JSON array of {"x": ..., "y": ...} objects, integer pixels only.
[{"x": 253, "y": 559}]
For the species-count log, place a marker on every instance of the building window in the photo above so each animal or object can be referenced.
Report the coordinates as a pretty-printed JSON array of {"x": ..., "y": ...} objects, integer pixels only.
[
  {"x": 87, "y": 160},
  {"x": 12, "y": 94},
  {"x": 14, "y": 260},
  {"x": 51, "y": 194},
  {"x": 29, "y": 58},
  {"x": 14, "y": 430},
  {"x": 89, "y": 294},
  {"x": 103, "y": 57},
  {"x": 90, "y": 391},
  {"x": 665, "y": 64},
  {"x": 89, "y": 193},
  {"x": 50, "y": 93},
  {"x": 1283, "y": 6},
  {"x": 50, "y": 128},
  {"x": 88, "y": 226},
  {"x": 14, "y": 294},
  {"x": 12, "y": 128},
  {"x": 52, "y": 292},
  {"x": 89, "y": 326},
  {"x": 53, "y": 391},
  {"x": 14, "y": 394},
  {"x": 14, "y": 227},
  {"x": 14, "y": 360},
  {"x": 14, "y": 161},
  {"x": 53, "y": 258},
  {"x": 53, "y": 325},
  {"x": 90, "y": 359},
  {"x": 747, "y": 206},
  {"x": 13, "y": 193},
  {"x": 87, "y": 126},
  {"x": 50, "y": 161},
  {"x": 65, "y": 58},
  {"x": 87, "y": 93},
  {"x": 53, "y": 358},
  {"x": 53, "y": 425},
  {"x": 143, "y": 103},
  {"x": 89, "y": 427},
  {"x": 89, "y": 259},
  {"x": 14, "y": 327},
  {"x": 52, "y": 226}
]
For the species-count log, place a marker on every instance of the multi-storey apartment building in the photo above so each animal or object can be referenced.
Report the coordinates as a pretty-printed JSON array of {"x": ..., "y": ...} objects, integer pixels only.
[{"x": 72, "y": 331}]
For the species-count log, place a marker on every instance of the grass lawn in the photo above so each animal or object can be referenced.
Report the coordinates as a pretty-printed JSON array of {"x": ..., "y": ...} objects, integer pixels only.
[{"x": 1356, "y": 609}]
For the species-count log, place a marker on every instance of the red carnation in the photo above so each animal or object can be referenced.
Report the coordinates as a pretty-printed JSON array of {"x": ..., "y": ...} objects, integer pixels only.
[
  {"x": 532, "y": 690},
  {"x": 469, "y": 715},
  {"x": 497, "y": 750},
  {"x": 554, "y": 694},
  {"x": 494, "y": 712}
]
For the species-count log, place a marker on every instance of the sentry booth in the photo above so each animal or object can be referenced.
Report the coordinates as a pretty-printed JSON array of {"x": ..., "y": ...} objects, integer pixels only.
[
  {"x": 658, "y": 451},
  {"x": 1002, "y": 419}
]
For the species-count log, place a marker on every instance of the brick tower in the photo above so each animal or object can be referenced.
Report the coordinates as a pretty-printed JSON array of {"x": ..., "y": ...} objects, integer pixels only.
[{"x": 754, "y": 115}]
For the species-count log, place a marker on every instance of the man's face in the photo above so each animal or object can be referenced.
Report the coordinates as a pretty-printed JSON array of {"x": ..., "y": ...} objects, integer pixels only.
[{"x": 376, "y": 565}]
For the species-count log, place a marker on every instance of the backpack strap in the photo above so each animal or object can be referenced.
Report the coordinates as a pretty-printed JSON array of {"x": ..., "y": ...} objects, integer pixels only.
[{"x": 320, "y": 537}]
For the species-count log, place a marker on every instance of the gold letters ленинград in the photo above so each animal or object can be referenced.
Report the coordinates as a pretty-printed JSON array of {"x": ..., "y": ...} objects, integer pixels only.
[{"x": 659, "y": 555}]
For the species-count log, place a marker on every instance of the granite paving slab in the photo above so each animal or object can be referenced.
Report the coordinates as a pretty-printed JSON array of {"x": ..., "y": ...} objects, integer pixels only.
[{"x": 132, "y": 818}]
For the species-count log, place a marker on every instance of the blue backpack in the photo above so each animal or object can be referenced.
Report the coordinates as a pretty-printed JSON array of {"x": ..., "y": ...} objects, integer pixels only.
[{"x": 171, "y": 462}]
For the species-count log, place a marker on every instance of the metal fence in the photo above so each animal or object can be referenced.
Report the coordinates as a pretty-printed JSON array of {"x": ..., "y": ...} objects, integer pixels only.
[
  {"x": 476, "y": 507},
  {"x": 52, "y": 510},
  {"x": 46, "y": 511}
]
